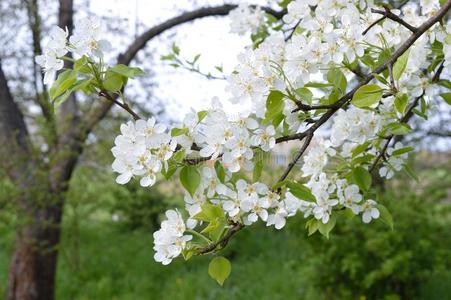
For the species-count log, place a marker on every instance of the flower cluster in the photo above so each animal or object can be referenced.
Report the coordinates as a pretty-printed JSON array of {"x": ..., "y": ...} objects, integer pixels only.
[
  {"x": 142, "y": 149},
  {"x": 170, "y": 240},
  {"x": 86, "y": 40},
  {"x": 294, "y": 78}
]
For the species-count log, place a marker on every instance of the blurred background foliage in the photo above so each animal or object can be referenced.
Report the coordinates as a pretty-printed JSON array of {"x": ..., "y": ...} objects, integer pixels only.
[{"x": 106, "y": 249}]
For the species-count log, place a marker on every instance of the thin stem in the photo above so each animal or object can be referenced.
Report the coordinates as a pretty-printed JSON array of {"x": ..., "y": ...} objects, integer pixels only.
[
  {"x": 224, "y": 240},
  {"x": 198, "y": 234},
  {"x": 388, "y": 14},
  {"x": 122, "y": 105},
  {"x": 298, "y": 156}
]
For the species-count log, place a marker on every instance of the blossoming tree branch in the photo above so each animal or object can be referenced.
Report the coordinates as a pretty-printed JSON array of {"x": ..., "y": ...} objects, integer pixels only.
[{"x": 361, "y": 69}]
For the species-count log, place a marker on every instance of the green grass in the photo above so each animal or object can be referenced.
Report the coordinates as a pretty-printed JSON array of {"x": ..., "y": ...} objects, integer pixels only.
[
  {"x": 100, "y": 259},
  {"x": 116, "y": 264}
]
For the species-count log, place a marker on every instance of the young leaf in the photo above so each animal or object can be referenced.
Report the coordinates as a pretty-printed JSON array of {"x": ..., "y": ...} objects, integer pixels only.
[
  {"x": 362, "y": 178},
  {"x": 274, "y": 105},
  {"x": 324, "y": 229},
  {"x": 62, "y": 83},
  {"x": 446, "y": 97},
  {"x": 305, "y": 94},
  {"x": 409, "y": 171},
  {"x": 220, "y": 172},
  {"x": 219, "y": 269},
  {"x": 179, "y": 131},
  {"x": 402, "y": 151},
  {"x": 367, "y": 95},
  {"x": 126, "y": 71},
  {"x": 399, "y": 128},
  {"x": 336, "y": 77},
  {"x": 209, "y": 213},
  {"x": 201, "y": 115},
  {"x": 113, "y": 82},
  {"x": 312, "y": 225},
  {"x": 300, "y": 191},
  {"x": 257, "y": 173},
  {"x": 190, "y": 179},
  {"x": 401, "y": 101},
  {"x": 175, "y": 49},
  {"x": 400, "y": 65},
  {"x": 385, "y": 215}
]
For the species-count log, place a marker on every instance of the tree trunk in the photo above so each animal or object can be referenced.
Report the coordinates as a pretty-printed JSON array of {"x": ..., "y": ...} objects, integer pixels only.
[{"x": 33, "y": 265}]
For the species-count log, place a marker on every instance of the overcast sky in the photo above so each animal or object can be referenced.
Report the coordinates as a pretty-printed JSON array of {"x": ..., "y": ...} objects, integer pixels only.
[{"x": 209, "y": 37}]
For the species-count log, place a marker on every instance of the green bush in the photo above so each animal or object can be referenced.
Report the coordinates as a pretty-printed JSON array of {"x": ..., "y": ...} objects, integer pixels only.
[{"x": 413, "y": 261}]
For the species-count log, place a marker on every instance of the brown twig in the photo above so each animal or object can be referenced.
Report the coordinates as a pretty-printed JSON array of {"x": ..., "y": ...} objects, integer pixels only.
[
  {"x": 305, "y": 107},
  {"x": 291, "y": 165},
  {"x": 292, "y": 30},
  {"x": 387, "y": 14},
  {"x": 308, "y": 134},
  {"x": 389, "y": 138},
  {"x": 236, "y": 226},
  {"x": 125, "y": 106}
]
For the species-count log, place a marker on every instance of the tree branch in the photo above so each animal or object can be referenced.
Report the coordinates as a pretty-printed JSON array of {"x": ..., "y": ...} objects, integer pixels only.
[
  {"x": 13, "y": 134},
  {"x": 221, "y": 243},
  {"x": 310, "y": 132},
  {"x": 388, "y": 14},
  {"x": 298, "y": 156},
  {"x": 140, "y": 42},
  {"x": 41, "y": 94}
]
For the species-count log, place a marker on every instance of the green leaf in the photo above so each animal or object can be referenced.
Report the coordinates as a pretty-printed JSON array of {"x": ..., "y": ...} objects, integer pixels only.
[
  {"x": 61, "y": 99},
  {"x": 305, "y": 94},
  {"x": 446, "y": 97},
  {"x": 445, "y": 83},
  {"x": 201, "y": 115},
  {"x": 362, "y": 178},
  {"x": 359, "y": 149},
  {"x": 257, "y": 173},
  {"x": 274, "y": 105},
  {"x": 175, "y": 49},
  {"x": 179, "y": 131},
  {"x": 63, "y": 82},
  {"x": 284, "y": 3},
  {"x": 312, "y": 225},
  {"x": 385, "y": 215},
  {"x": 126, "y": 71},
  {"x": 401, "y": 101},
  {"x": 399, "y": 128},
  {"x": 400, "y": 65},
  {"x": 402, "y": 151},
  {"x": 367, "y": 95},
  {"x": 219, "y": 269},
  {"x": 409, "y": 171},
  {"x": 380, "y": 78},
  {"x": 190, "y": 178},
  {"x": 319, "y": 85},
  {"x": 215, "y": 228},
  {"x": 362, "y": 159},
  {"x": 220, "y": 172},
  {"x": 324, "y": 229},
  {"x": 170, "y": 170},
  {"x": 113, "y": 81},
  {"x": 209, "y": 213},
  {"x": 81, "y": 65},
  {"x": 168, "y": 57},
  {"x": 338, "y": 79},
  {"x": 300, "y": 191}
]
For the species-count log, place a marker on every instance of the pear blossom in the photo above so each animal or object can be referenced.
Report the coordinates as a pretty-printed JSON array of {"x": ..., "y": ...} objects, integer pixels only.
[
  {"x": 87, "y": 38},
  {"x": 170, "y": 240},
  {"x": 370, "y": 211}
]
